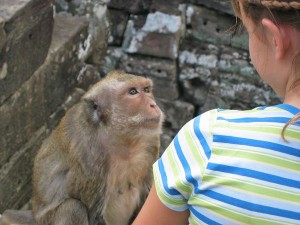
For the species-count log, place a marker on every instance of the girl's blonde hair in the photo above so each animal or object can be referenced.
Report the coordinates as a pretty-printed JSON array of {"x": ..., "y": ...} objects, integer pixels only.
[
  {"x": 280, "y": 12},
  {"x": 292, "y": 121}
]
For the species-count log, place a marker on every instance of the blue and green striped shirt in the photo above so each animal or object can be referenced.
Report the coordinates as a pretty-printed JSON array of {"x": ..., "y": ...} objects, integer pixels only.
[{"x": 233, "y": 167}]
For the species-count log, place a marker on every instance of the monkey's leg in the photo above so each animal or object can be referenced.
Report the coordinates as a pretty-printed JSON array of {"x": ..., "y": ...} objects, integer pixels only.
[
  {"x": 17, "y": 217},
  {"x": 69, "y": 212}
]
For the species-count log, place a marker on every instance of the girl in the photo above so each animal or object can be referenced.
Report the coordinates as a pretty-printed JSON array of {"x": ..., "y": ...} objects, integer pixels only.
[{"x": 240, "y": 167}]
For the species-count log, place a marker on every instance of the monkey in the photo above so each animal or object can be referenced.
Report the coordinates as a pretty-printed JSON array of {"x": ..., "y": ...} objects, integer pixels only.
[{"x": 95, "y": 167}]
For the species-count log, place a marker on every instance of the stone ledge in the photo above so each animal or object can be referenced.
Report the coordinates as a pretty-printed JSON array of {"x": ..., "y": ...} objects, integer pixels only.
[
  {"x": 26, "y": 110},
  {"x": 177, "y": 112},
  {"x": 159, "y": 36},
  {"x": 15, "y": 175},
  {"x": 132, "y": 6},
  {"x": 27, "y": 28},
  {"x": 2, "y": 35},
  {"x": 219, "y": 5}
]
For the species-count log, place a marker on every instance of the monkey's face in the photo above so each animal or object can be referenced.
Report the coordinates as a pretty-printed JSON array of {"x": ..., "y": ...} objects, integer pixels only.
[
  {"x": 124, "y": 103},
  {"x": 136, "y": 104}
]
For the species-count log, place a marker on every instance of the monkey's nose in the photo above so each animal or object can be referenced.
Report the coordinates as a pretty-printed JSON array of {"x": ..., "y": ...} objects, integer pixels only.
[
  {"x": 152, "y": 105},
  {"x": 151, "y": 102}
]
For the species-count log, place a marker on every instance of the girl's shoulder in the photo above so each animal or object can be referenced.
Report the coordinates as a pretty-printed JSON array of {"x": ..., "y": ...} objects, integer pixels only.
[
  {"x": 262, "y": 113},
  {"x": 207, "y": 124},
  {"x": 260, "y": 119}
]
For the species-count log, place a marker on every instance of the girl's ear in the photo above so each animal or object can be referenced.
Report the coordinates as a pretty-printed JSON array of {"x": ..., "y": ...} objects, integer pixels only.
[{"x": 280, "y": 38}]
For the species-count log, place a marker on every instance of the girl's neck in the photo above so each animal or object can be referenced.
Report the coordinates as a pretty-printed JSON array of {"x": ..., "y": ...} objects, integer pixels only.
[{"x": 292, "y": 96}]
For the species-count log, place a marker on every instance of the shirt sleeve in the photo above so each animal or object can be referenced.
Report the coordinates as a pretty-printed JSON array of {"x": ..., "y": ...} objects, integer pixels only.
[{"x": 179, "y": 171}]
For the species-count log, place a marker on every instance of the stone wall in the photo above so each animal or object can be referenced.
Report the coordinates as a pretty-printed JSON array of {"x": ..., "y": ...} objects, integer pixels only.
[
  {"x": 41, "y": 70},
  {"x": 187, "y": 48},
  {"x": 47, "y": 61}
]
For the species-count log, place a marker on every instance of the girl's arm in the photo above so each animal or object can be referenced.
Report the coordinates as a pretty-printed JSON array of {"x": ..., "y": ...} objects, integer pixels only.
[{"x": 154, "y": 212}]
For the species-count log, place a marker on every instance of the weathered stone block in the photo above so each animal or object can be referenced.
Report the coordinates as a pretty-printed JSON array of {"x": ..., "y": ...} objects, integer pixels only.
[
  {"x": 25, "y": 111},
  {"x": 208, "y": 25},
  {"x": 163, "y": 72},
  {"x": 198, "y": 62},
  {"x": 2, "y": 35},
  {"x": 165, "y": 89},
  {"x": 28, "y": 27},
  {"x": 15, "y": 176},
  {"x": 168, "y": 7},
  {"x": 166, "y": 138},
  {"x": 237, "y": 91},
  {"x": 240, "y": 41},
  {"x": 235, "y": 61},
  {"x": 118, "y": 22},
  {"x": 219, "y": 5},
  {"x": 197, "y": 53},
  {"x": 155, "y": 44},
  {"x": 132, "y": 6},
  {"x": 111, "y": 59},
  {"x": 213, "y": 102},
  {"x": 97, "y": 14},
  {"x": 195, "y": 82},
  {"x": 159, "y": 36},
  {"x": 177, "y": 112},
  {"x": 97, "y": 41}
]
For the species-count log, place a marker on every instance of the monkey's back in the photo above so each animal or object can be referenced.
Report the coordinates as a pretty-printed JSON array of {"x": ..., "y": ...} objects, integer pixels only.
[{"x": 63, "y": 169}]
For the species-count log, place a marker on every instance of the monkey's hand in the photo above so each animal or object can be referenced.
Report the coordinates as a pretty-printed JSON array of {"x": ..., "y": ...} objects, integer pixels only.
[
  {"x": 20, "y": 217},
  {"x": 69, "y": 212}
]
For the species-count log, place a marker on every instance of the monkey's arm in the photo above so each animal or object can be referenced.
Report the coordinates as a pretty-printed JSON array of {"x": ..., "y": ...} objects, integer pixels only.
[
  {"x": 52, "y": 202},
  {"x": 54, "y": 205},
  {"x": 19, "y": 217},
  {"x": 69, "y": 212}
]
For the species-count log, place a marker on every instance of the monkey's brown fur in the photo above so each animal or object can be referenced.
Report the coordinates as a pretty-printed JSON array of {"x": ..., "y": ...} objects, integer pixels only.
[{"x": 95, "y": 168}]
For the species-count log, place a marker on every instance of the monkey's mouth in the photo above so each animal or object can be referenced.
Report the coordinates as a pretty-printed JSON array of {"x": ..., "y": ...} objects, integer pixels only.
[{"x": 154, "y": 121}]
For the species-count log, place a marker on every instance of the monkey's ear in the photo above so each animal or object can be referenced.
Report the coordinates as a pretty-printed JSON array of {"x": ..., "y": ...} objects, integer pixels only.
[
  {"x": 90, "y": 103},
  {"x": 93, "y": 109}
]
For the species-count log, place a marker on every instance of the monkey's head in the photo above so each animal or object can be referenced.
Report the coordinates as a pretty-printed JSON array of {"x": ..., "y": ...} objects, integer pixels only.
[{"x": 124, "y": 103}]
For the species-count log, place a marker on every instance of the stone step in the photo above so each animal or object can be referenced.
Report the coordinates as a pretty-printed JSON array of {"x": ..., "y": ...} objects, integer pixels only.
[
  {"x": 132, "y": 6},
  {"x": 15, "y": 176},
  {"x": 159, "y": 35},
  {"x": 220, "y": 5},
  {"x": 25, "y": 30},
  {"x": 30, "y": 107},
  {"x": 37, "y": 106}
]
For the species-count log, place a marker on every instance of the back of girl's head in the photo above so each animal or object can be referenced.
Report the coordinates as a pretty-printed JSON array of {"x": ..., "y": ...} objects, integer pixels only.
[{"x": 279, "y": 11}]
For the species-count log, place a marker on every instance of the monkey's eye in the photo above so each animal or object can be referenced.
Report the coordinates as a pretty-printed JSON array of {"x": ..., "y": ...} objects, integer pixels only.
[
  {"x": 147, "y": 90},
  {"x": 133, "y": 91}
]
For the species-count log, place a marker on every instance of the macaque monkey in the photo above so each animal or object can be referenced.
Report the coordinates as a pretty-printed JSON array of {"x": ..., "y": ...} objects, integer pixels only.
[{"x": 95, "y": 168}]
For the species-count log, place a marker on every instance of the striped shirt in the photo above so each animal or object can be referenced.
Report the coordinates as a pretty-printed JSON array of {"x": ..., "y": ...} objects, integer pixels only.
[{"x": 233, "y": 167}]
